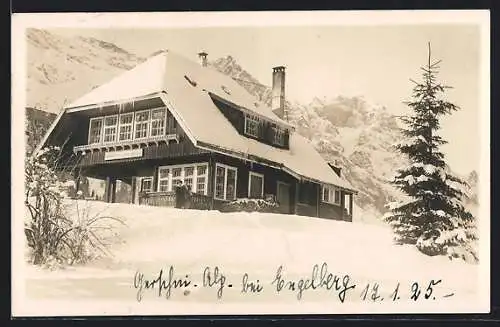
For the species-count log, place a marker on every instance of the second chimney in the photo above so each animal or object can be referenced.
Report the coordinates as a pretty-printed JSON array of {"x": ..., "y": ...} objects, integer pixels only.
[
  {"x": 203, "y": 58},
  {"x": 278, "y": 92}
]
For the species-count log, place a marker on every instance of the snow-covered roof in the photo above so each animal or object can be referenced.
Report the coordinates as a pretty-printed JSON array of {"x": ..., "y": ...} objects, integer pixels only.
[{"x": 185, "y": 87}]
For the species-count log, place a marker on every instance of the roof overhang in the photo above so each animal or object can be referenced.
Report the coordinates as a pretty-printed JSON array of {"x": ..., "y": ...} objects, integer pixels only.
[
  {"x": 113, "y": 103},
  {"x": 266, "y": 162}
]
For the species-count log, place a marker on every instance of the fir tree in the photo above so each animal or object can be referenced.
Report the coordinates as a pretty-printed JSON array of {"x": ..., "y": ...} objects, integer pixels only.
[{"x": 432, "y": 215}]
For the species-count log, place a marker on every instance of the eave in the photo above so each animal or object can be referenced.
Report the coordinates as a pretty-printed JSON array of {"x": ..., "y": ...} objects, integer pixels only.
[{"x": 266, "y": 162}]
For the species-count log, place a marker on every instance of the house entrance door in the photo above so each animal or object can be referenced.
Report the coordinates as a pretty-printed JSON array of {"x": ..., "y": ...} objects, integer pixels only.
[
  {"x": 283, "y": 196},
  {"x": 142, "y": 184}
]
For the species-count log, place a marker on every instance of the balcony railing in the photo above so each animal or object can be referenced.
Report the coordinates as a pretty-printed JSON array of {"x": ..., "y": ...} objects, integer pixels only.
[
  {"x": 126, "y": 144},
  {"x": 169, "y": 199}
]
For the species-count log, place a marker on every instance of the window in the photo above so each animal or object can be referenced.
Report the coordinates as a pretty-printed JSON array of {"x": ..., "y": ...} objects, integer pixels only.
[
  {"x": 110, "y": 127},
  {"x": 126, "y": 122},
  {"x": 129, "y": 126},
  {"x": 146, "y": 184},
  {"x": 95, "y": 130},
  {"x": 255, "y": 185},
  {"x": 176, "y": 176},
  {"x": 171, "y": 176},
  {"x": 201, "y": 180},
  {"x": 331, "y": 195},
  {"x": 220, "y": 174},
  {"x": 252, "y": 125},
  {"x": 141, "y": 124},
  {"x": 164, "y": 179},
  {"x": 158, "y": 122},
  {"x": 278, "y": 135},
  {"x": 225, "y": 182},
  {"x": 188, "y": 177}
]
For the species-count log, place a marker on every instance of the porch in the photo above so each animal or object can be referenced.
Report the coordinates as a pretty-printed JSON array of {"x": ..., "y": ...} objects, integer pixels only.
[
  {"x": 215, "y": 180},
  {"x": 172, "y": 199}
]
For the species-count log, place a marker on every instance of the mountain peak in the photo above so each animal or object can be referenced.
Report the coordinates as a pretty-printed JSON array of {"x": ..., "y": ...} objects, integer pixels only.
[{"x": 157, "y": 52}]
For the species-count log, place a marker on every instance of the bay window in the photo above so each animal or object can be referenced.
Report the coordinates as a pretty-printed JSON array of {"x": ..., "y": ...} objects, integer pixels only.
[
  {"x": 331, "y": 195},
  {"x": 225, "y": 182},
  {"x": 128, "y": 126},
  {"x": 194, "y": 176}
]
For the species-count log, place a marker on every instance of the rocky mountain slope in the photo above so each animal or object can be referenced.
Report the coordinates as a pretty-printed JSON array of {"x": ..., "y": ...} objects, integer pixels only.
[
  {"x": 60, "y": 69},
  {"x": 353, "y": 131},
  {"x": 356, "y": 133},
  {"x": 36, "y": 124}
]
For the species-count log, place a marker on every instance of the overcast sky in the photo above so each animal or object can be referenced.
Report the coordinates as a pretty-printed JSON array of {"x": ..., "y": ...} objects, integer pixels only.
[{"x": 372, "y": 61}]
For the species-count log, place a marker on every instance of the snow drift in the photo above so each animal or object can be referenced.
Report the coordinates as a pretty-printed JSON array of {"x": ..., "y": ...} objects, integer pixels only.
[{"x": 255, "y": 243}]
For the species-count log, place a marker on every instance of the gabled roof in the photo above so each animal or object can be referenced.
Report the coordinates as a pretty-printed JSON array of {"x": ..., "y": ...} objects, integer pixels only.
[
  {"x": 165, "y": 71},
  {"x": 185, "y": 87}
]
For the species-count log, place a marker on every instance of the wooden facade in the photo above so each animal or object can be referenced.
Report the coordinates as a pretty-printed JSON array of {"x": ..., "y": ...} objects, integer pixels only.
[{"x": 113, "y": 161}]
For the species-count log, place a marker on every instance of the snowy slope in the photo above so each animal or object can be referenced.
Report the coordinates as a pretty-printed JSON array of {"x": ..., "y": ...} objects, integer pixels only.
[
  {"x": 354, "y": 131},
  {"x": 155, "y": 238},
  {"x": 61, "y": 69}
]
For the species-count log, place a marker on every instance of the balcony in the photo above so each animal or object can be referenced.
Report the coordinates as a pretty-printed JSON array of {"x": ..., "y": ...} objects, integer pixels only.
[
  {"x": 170, "y": 199},
  {"x": 126, "y": 144}
]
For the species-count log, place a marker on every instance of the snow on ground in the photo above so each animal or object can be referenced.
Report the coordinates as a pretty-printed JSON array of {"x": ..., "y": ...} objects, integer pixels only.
[{"x": 256, "y": 243}]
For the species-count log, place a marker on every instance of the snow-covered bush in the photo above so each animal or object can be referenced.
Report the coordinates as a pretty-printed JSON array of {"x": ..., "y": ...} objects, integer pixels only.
[
  {"x": 250, "y": 205},
  {"x": 52, "y": 236}
]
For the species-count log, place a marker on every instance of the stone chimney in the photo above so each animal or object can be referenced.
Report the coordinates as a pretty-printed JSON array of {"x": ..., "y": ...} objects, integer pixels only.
[
  {"x": 278, "y": 92},
  {"x": 203, "y": 58}
]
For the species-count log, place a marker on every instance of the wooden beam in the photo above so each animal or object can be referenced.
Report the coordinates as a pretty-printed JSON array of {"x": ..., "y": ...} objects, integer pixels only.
[
  {"x": 133, "y": 192},
  {"x": 113, "y": 190},
  {"x": 296, "y": 201},
  {"x": 318, "y": 198},
  {"x": 211, "y": 181},
  {"x": 350, "y": 205},
  {"x": 107, "y": 189},
  {"x": 342, "y": 204}
]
